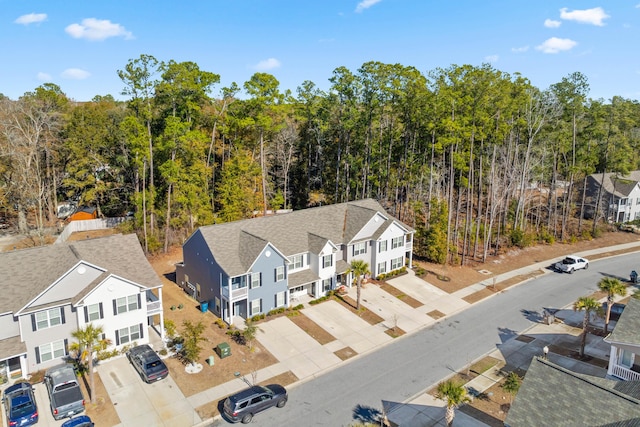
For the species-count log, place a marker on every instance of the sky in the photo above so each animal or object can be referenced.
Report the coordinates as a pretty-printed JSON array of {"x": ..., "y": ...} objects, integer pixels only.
[{"x": 80, "y": 45}]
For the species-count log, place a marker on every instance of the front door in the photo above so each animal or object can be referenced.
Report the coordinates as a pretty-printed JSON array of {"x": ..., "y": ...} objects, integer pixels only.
[{"x": 240, "y": 308}]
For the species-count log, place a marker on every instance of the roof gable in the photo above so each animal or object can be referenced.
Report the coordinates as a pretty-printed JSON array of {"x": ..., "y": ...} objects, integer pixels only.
[
  {"x": 25, "y": 274},
  {"x": 627, "y": 330}
]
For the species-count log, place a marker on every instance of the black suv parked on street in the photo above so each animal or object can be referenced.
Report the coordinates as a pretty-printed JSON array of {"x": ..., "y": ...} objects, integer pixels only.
[{"x": 243, "y": 405}]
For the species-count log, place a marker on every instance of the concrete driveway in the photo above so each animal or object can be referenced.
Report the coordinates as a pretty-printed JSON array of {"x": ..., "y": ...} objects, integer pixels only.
[{"x": 137, "y": 403}]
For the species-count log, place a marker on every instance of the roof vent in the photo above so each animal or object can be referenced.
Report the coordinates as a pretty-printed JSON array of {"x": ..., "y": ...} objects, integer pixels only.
[{"x": 82, "y": 269}]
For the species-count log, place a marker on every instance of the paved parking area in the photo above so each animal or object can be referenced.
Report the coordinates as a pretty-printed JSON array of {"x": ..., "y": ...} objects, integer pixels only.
[
  {"x": 45, "y": 418},
  {"x": 140, "y": 404}
]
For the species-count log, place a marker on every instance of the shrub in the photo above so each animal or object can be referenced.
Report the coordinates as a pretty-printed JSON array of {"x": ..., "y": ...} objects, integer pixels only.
[
  {"x": 276, "y": 311},
  {"x": 298, "y": 307},
  {"x": 107, "y": 354},
  {"x": 257, "y": 317},
  {"x": 221, "y": 323}
]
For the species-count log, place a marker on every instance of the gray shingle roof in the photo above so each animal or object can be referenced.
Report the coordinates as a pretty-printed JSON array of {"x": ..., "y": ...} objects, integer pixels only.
[
  {"x": 619, "y": 186},
  {"x": 25, "y": 273},
  {"x": 627, "y": 328},
  {"x": 290, "y": 232},
  {"x": 554, "y": 396}
]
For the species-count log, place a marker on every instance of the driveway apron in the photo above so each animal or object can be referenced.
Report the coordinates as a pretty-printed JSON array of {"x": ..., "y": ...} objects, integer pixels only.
[{"x": 137, "y": 403}]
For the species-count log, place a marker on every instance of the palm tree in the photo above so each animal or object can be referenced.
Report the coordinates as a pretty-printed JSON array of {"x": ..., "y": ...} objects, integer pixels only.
[
  {"x": 512, "y": 385},
  {"x": 588, "y": 304},
  {"x": 359, "y": 268},
  {"x": 90, "y": 338},
  {"x": 454, "y": 394},
  {"x": 612, "y": 287}
]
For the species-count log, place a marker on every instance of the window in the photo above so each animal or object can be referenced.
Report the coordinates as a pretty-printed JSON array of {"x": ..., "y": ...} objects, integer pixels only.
[
  {"x": 326, "y": 285},
  {"x": 53, "y": 350},
  {"x": 382, "y": 267},
  {"x": 255, "y": 280},
  {"x": 382, "y": 246},
  {"x": 280, "y": 299},
  {"x": 396, "y": 242},
  {"x": 297, "y": 261},
  {"x": 124, "y": 304},
  {"x": 48, "y": 318},
  {"x": 396, "y": 263},
  {"x": 256, "y": 306},
  {"x": 279, "y": 273},
  {"x": 327, "y": 261},
  {"x": 238, "y": 282},
  {"x": 126, "y": 335},
  {"x": 93, "y": 312},
  {"x": 360, "y": 248},
  {"x": 623, "y": 202}
]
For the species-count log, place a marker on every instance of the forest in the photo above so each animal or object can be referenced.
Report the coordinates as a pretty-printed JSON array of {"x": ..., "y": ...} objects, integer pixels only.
[{"x": 473, "y": 158}]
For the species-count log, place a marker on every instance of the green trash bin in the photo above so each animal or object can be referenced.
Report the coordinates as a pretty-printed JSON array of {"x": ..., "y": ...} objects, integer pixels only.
[{"x": 223, "y": 350}]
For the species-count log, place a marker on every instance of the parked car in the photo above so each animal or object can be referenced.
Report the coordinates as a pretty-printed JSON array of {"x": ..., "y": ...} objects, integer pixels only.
[
  {"x": 571, "y": 263},
  {"x": 616, "y": 310},
  {"x": 243, "y": 405},
  {"x": 148, "y": 364},
  {"x": 81, "y": 421},
  {"x": 20, "y": 405},
  {"x": 64, "y": 391}
]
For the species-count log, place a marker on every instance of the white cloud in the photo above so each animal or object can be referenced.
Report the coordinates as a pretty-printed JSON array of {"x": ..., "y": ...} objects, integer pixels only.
[
  {"x": 555, "y": 45},
  {"x": 366, "y": 4},
  {"x": 44, "y": 77},
  {"x": 75, "y": 74},
  {"x": 520, "y": 49},
  {"x": 31, "y": 18},
  {"x": 593, "y": 16},
  {"x": 550, "y": 23},
  {"x": 491, "y": 58},
  {"x": 97, "y": 29},
  {"x": 267, "y": 64}
]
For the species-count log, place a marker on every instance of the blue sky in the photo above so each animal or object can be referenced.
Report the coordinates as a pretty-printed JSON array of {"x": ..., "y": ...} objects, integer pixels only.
[{"x": 80, "y": 45}]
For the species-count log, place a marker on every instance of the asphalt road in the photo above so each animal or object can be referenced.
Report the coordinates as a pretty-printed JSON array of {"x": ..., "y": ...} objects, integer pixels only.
[{"x": 411, "y": 364}]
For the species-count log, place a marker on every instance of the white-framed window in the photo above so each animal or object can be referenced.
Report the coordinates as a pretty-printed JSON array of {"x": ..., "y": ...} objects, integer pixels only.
[
  {"x": 94, "y": 312},
  {"x": 326, "y": 284},
  {"x": 238, "y": 282},
  {"x": 255, "y": 280},
  {"x": 327, "y": 261},
  {"x": 52, "y": 350},
  {"x": 48, "y": 318},
  {"x": 396, "y": 242},
  {"x": 382, "y": 267},
  {"x": 623, "y": 202},
  {"x": 382, "y": 246},
  {"x": 297, "y": 261},
  {"x": 396, "y": 263},
  {"x": 127, "y": 335},
  {"x": 279, "y": 273},
  {"x": 360, "y": 248},
  {"x": 256, "y": 306},
  {"x": 280, "y": 299},
  {"x": 124, "y": 304}
]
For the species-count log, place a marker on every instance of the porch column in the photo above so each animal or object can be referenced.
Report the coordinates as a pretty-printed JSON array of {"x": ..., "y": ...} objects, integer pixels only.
[
  {"x": 162, "y": 332},
  {"x": 613, "y": 360}
]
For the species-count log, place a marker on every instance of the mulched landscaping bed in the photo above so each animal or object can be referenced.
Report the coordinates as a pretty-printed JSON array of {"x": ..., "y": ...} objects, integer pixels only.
[
  {"x": 367, "y": 315},
  {"x": 436, "y": 314},
  {"x": 345, "y": 353},
  {"x": 312, "y": 328},
  {"x": 410, "y": 301}
]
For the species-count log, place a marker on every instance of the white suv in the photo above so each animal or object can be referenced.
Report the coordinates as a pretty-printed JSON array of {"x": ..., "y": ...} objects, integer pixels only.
[{"x": 571, "y": 263}]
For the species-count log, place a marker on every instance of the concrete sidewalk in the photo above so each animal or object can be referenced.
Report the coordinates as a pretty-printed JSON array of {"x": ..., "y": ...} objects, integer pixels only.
[{"x": 297, "y": 352}]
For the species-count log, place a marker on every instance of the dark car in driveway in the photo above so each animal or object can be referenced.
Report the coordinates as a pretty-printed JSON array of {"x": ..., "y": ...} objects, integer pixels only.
[
  {"x": 616, "y": 310},
  {"x": 147, "y": 362},
  {"x": 20, "y": 405},
  {"x": 81, "y": 421},
  {"x": 243, "y": 405}
]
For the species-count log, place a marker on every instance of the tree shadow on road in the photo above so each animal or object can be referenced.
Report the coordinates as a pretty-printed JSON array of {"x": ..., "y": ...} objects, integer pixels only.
[{"x": 366, "y": 414}]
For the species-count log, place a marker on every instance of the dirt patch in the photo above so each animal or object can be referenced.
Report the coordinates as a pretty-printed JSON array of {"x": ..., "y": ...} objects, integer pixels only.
[
  {"x": 436, "y": 314},
  {"x": 345, "y": 353},
  {"x": 410, "y": 301},
  {"x": 102, "y": 412},
  {"x": 395, "y": 332},
  {"x": 490, "y": 407},
  {"x": 461, "y": 277},
  {"x": 365, "y": 314},
  {"x": 93, "y": 234},
  {"x": 312, "y": 328},
  {"x": 524, "y": 338}
]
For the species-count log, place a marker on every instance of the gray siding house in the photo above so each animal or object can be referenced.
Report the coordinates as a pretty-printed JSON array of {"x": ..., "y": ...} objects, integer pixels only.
[
  {"x": 51, "y": 291},
  {"x": 250, "y": 267}
]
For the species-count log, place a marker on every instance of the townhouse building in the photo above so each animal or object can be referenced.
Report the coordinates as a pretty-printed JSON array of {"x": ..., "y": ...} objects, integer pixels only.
[{"x": 250, "y": 267}]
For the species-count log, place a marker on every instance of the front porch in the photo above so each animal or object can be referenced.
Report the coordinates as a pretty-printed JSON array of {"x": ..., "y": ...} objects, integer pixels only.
[{"x": 622, "y": 363}]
